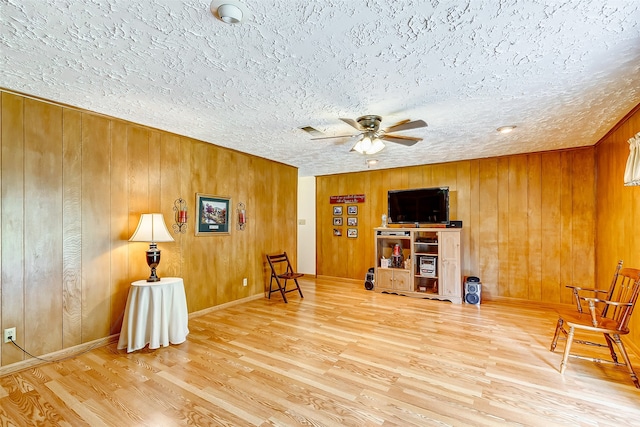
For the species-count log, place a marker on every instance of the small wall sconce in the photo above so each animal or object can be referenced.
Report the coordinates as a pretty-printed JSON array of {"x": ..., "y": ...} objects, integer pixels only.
[
  {"x": 632, "y": 171},
  {"x": 180, "y": 209},
  {"x": 242, "y": 216}
]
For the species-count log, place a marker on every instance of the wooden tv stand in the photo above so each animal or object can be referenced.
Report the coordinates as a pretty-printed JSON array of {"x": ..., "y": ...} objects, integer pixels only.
[{"x": 434, "y": 267}]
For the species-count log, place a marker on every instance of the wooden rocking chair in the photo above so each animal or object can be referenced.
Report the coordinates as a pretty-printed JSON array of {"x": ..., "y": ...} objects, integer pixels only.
[{"x": 612, "y": 320}]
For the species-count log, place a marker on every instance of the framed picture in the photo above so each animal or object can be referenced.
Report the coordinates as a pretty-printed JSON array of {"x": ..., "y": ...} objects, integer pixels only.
[
  {"x": 352, "y": 221},
  {"x": 337, "y": 210},
  {"x": 337, "y": 231},
  {"x": 337, "y": 220},
  {"x": 352, "y": 210},
  {"x": 352, "y": 232},
  {"x": 213, "y": 215}
]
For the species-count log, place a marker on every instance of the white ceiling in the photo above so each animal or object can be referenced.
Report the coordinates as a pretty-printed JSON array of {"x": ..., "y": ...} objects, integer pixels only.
[{"x": 564, "y": 72}]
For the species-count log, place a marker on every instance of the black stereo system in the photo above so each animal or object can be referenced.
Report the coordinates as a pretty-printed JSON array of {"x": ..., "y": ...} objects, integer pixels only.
[
  {"x": 472, "y": 290},
  {"x": 369, "y": 279},
  {"x": 454, "y": 224}
]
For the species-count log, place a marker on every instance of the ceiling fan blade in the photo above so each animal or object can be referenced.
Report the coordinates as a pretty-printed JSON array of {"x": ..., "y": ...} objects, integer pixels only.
[
  {"x": 352, "y": 123},
  {"x": 399, "y": 139},
  {"x": 331, "y": 137},
  {"x": 406, "y": 126},
  {"x": 312, "y": 131},
  {"x": 399, "y": 123}
]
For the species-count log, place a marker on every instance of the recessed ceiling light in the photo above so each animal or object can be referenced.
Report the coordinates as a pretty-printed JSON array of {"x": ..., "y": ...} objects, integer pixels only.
[
  {"x": 371, "y": 162},
  {"x": 505, "y": 129}
]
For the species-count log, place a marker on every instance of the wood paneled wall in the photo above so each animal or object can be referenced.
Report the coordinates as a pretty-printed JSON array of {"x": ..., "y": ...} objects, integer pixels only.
[
  {"x": 73, "y": 187},
  {"x": 618, "y": 208},
  {"x": 528, "y": 220}
]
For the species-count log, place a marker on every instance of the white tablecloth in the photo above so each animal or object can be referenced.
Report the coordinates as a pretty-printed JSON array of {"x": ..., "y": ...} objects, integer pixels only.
[{"x": 155, "y": 314}]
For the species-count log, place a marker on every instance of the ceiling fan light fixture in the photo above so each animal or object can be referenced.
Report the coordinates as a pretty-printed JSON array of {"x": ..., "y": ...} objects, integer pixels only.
[
  {"x": 368, "y": 145},
  {"x": 376, "y": 146},
  {"x": 358, "y": 147}
]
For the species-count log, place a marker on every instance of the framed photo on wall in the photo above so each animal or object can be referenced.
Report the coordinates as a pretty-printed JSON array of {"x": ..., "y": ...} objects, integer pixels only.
[
  {"x": 352, "y": 210},
  {"x": 352, "y": 232},
  {"x": 352, "y": 221},
  {"x": 337, "y": 220},
  {"x": 337, "y": 210},
  {"x": 213, "y": 215}
]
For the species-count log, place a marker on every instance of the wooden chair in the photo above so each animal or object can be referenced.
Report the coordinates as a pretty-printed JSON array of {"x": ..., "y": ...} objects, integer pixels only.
[
  {"x": 604, "y": 294},
  {"x": 612, "y": 321},
  {"x": 281, "y": 273}
]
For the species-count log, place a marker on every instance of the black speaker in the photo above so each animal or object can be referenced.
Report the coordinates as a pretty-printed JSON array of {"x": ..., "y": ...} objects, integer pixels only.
[
  {"x": 369, "y": 279},
  {"x": 472, "y": 290},
  {"x": 454, "y": 224}
]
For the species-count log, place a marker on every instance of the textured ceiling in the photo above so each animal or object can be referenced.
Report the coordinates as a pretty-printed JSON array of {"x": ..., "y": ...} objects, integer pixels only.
[{"x": 563, "y": 72}]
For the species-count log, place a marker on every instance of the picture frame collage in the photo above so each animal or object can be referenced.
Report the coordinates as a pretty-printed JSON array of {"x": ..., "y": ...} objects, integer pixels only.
[{"x": 351, "y": 221}]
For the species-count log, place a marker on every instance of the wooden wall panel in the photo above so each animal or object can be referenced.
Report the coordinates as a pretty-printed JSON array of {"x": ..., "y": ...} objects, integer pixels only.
[
  {"x": 199, "y": 259},
  {"x": 566, "y": 227},
  {"x": 618, "y": 210},
  {"x": 188, "y": 272},
  {"x": 467, "y": 212},
  {"x": 503, "y": 227},
  {"x": 242, "y": 247},
  {"x": 155, "y": 175},
  {"x": 12, "y": 221},
  {"x": 72, "y": 227},
  {"x": 168, "y": 181},
  {"x": 138, "y": 198},
  {"x": 96, "y": 232},
  {"x": 583, "y": 215},
  {"x": 517, "y": 213},
  {"x": 518, "y": 228},
  {"x": 551, "y": 236},
  {"x": 83, "y": 180},
  {"x": 261, "y": 216},
  {"x": 534, "y": 228},
  {"x": 488, "y": 228},
  {"x": 42, "y": 236},
  {"x": 119, "y": 227}
]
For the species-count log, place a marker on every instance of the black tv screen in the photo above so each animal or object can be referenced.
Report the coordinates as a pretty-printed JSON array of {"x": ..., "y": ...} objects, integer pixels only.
[{"x": 419, "y": 206}]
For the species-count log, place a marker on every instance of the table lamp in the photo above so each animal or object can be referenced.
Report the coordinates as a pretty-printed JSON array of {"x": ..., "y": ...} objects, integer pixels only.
[{"x": 152, "y": 229}]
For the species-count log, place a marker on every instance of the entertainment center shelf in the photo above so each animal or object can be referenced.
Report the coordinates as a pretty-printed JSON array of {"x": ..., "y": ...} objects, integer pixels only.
[{"x": 419, "y": 262}]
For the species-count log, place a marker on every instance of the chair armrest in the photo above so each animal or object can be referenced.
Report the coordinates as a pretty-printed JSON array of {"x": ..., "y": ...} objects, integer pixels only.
[
  {"x": 592, "y": 306},
  {"x": 579, "y": 288},
  {"x": 615, "y": 303},
  {"x": 576, "y": 293}
]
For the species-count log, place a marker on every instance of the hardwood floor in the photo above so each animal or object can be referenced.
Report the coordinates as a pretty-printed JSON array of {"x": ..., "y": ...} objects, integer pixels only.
[{"x": 342, "y": 356}]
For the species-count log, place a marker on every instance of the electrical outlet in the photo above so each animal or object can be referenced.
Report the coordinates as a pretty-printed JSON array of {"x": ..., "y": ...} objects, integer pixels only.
[
  {"x": 244, "y": 282},
  {"x": 9, "y": 334}
]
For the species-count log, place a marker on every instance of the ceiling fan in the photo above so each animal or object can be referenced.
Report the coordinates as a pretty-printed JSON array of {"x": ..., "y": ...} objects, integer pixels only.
[{"x": 372, "y": 136}]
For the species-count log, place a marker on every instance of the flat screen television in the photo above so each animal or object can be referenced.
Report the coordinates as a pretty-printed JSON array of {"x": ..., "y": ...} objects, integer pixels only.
[{"x": 419, "y": 206}]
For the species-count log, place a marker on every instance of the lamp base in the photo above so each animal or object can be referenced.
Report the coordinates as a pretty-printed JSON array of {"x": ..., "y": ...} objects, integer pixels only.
[
  {"x": 153, "y": 259},
  {"x": 153, "y": 277}
]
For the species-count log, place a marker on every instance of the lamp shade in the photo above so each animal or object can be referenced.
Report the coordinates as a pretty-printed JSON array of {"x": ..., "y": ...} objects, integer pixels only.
[
  {"x": 376, "y": 146},
  {"x": 151, "y": 228}
]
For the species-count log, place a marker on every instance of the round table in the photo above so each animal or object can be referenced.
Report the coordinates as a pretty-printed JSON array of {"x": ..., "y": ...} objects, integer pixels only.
[{"x": 155, "y": 314}]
